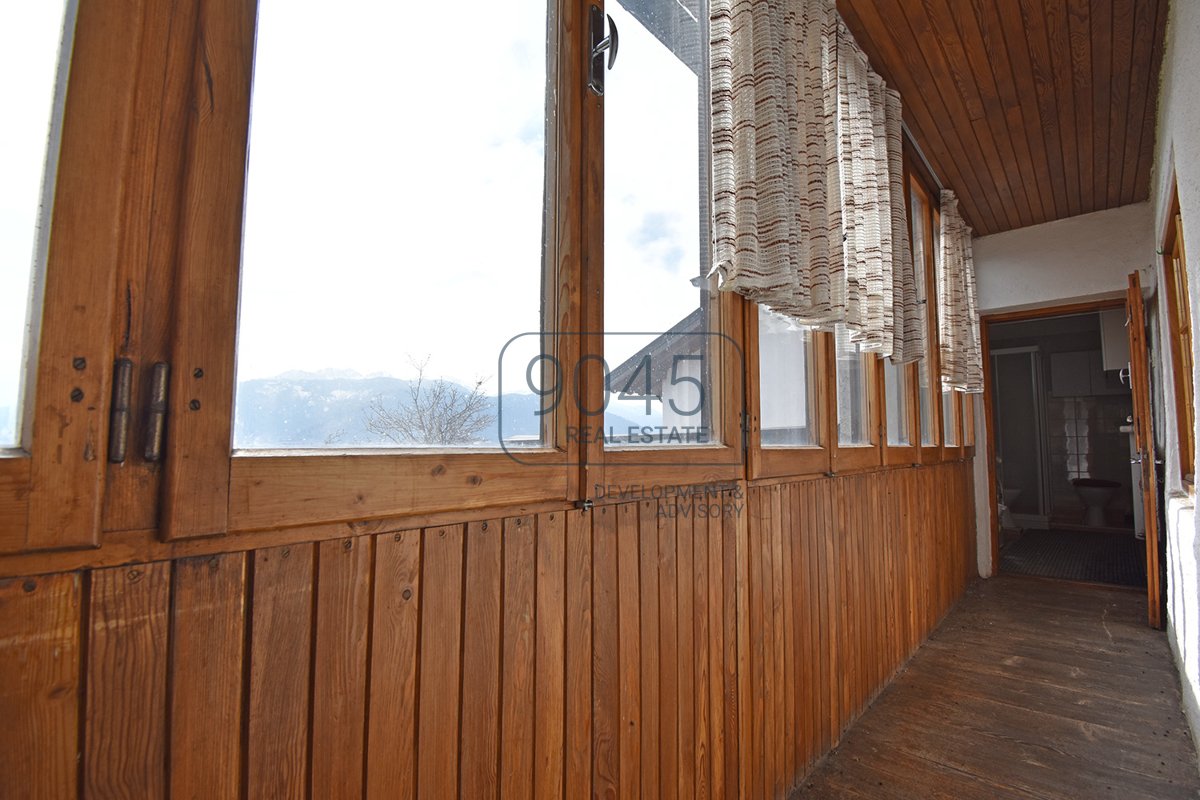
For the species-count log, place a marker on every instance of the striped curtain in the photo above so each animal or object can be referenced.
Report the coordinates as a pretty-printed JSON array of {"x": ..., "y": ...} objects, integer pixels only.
[
  {"x": 808, "y": 184},
  {"x": 776, "y": 214},
  {"x": 958, "y": 310},
  {"x": 882, "y": 313}
]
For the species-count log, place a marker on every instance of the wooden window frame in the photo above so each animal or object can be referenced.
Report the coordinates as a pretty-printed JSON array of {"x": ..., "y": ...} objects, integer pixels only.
[
  {"x": 51, "y": 487},
  {"x": 780, "y": 462},
  {"x": 210, "y": 491},
  {"x": 847, "y": 458},
  {"x": 934, "y": 453},
  {"x": 1175, "y": 284},
  {"x": 910, "y": 453}
]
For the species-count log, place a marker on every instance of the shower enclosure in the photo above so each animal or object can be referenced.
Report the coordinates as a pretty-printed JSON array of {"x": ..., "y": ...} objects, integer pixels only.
[{"x": 1019, "y": 421}]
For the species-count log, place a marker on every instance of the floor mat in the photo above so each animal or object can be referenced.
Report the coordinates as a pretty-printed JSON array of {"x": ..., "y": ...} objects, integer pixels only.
[{"x": 1077, "y": 556}]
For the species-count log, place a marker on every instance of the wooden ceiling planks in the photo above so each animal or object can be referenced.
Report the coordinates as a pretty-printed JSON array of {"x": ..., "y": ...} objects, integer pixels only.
[{"x": 1032, "y": 110}]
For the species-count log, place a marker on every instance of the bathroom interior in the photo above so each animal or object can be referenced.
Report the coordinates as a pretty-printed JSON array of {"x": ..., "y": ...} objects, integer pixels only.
[{"x": 1069, "y": 495}]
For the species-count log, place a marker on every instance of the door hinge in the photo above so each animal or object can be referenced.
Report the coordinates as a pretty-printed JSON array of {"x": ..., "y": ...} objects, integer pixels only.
[
  {"x": 156, "y": 415},
  {"x": 122, "y": 408}
]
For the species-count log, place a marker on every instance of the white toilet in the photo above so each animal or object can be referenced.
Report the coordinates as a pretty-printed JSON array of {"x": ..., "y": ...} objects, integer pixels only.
[{"x": 1096, "y": 495}]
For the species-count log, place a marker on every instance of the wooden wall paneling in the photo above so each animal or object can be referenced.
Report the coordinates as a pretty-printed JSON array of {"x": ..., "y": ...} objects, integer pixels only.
[
  {"x": 953, "y": 29},
  {"x": 813, "y": 641},
  {"x": 280, "y": 648},
  {"x": 773, "y": 568},
  {"x": 208, "y": 626},
  {"x": 518, "y": 649},
  {"x": 483, "y": 588},
  {"x": 579, "y": 655},
  {"x": 1145, "y": 161},
  {"x": 990, "y": 63},
  {"x": 629, "y": 649},
  {"x": 1030, "y": 20},
  {"x": 717, "y": 636},
  {"x": 1143, "y": 93},
  {"x": 759, "y": 614},
  {"x": 669, "y": 652},
  {"x": 1101, "y": 21},
  {"x": 792, "y": 681},
  {"x": 339, "y": 682},
  {"x": 391, "y": 750},
  {"x": 549, "y": 664},
  {"x": 702, "y": 637},
  {"x": 685, "y": 663},
  {"x": 1058, "y": 48},
  {"x": 735, "y": 633},
  {"x": 606, "y": 690},
  {"x": 126, "y": 682},
  {"x": 885, "y": 42},
  {"x": 650, "y": 647},
  {"x": 649, "y": 593},
  {"x": 942, "y": 48},
  {"x": 41, "y": 651},
  {"x": 1079, "y": 28},
  {"x": 1125, "y": 13},
  {"x": 440, "y": 661}
]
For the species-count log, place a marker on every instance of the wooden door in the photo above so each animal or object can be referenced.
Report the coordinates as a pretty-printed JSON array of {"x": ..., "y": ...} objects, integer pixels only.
[{"x": 1139, "y": 380}]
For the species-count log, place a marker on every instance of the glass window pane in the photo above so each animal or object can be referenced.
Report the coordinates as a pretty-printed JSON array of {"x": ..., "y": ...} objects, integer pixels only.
[
  {"x": 852, "y": 388},
  {"x": 920, "y": 232},
  {"x": 950, "y": 418},
  {"x": 787, "y": 381},
  {"x": 31, "y": 48},
  {"x": 656, "y": 153},
  {"x": 925, "y": 396},
  {"x": 896, "y": 389},
  {"x": 393, "y": 239}
]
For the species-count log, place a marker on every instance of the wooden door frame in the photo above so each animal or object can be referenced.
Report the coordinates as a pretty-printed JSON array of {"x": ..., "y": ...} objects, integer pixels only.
[
  {"x": 989, "y": 442},
  {"x": 1143, "y": 421}
]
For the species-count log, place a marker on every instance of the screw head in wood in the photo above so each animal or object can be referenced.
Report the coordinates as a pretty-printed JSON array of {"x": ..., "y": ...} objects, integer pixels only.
[
  {"x": 194, "y": 405},
  {"x": 79, "y": 363},
  {"x": 76, "y": 395},
  {"x": 197, "y": 373}
]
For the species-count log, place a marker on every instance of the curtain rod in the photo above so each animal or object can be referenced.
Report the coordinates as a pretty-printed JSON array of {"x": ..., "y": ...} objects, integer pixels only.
[{"x": 912, "y": 140}]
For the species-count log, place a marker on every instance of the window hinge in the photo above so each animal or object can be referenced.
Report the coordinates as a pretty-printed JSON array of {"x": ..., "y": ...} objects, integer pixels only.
[
  {"x": 118, "y": 417},
  {"x": 156, "y": 414}
]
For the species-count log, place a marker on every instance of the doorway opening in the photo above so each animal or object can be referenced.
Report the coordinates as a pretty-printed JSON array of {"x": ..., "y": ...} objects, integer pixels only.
[{"x": 1068, "y": 495}]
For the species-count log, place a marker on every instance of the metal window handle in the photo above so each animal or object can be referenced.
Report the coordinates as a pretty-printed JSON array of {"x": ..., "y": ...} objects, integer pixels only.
[
  {"x": 600, "y": 45},
  {"x": 1123, "y": 375}
]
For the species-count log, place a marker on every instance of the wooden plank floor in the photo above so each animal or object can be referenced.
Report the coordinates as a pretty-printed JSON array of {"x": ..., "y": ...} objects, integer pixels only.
[{"x": 1029, "y": 689}]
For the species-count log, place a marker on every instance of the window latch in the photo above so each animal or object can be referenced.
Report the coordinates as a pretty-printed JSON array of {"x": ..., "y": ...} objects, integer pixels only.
[{"x": 599, "y": 45}]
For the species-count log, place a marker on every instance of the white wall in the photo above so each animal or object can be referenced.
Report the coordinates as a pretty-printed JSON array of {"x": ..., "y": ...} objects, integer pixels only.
[
  {"x": 1080, "y": 258},
  {"x": 1177, "y": 152}
]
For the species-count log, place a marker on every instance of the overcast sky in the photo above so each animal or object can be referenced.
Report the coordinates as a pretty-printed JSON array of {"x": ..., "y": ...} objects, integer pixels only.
[{"x": 395, "y": 187}]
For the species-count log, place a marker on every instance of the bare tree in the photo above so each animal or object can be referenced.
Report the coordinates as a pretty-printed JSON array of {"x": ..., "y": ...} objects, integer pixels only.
[{"x": 438, "y": 412}]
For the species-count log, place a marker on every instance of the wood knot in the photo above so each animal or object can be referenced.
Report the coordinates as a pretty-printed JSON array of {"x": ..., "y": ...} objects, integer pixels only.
[
  {"x": 406, "y": 594},
  {"x": 438, "y": 471}
]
